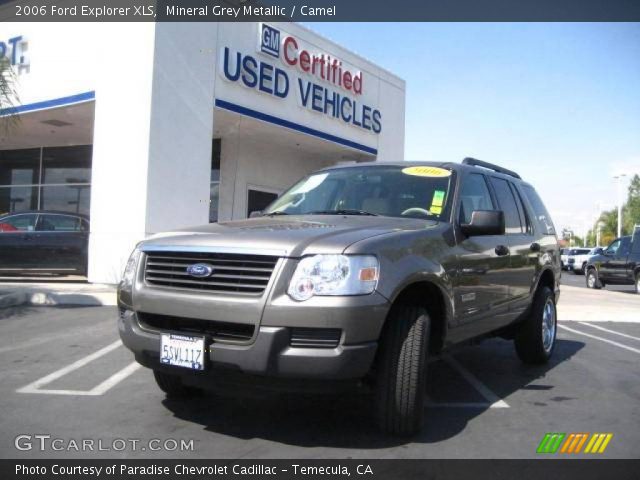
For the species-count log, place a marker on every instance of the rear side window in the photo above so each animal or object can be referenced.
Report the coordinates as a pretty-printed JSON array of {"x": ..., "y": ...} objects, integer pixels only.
[
  {"x": 58, "y": 223},
  {"x": 635, "y": 241},
  {"x": 474, "y": 195},
  {"x": 625, "y": 246},
  {"x": 508, "y": 205},
  {"x": 540, "y": 211}
]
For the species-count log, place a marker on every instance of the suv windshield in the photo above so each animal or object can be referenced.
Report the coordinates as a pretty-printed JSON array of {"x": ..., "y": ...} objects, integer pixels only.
[{"x": 394, "y": 191}]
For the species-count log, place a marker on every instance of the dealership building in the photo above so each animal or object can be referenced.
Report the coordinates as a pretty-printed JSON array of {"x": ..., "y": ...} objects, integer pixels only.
[{"x": 149, "y": 127}]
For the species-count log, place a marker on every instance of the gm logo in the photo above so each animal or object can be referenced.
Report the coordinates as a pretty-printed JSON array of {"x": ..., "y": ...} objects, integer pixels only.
[
  {"x": 200, "y": 270},
  {"x": 270, "y": 40}
]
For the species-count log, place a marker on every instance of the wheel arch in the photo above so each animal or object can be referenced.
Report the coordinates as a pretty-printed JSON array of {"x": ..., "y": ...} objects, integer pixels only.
[
  {"x": 547, "y": 278},
  {"x": 435, "y": 299}
]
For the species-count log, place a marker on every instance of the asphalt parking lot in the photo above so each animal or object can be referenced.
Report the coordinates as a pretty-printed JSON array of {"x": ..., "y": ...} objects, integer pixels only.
[{"x": 65, "y": 374}]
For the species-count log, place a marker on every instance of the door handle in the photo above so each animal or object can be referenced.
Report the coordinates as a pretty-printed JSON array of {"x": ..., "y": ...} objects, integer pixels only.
[
  {"x": 535, "y": 247},
  {"x": 501, "y": 250}
]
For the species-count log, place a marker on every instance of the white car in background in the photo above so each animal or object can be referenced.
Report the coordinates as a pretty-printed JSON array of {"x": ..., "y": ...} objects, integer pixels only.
[
  {"x": 578, "y": 257},
  {"x": 564, "y": 256}
]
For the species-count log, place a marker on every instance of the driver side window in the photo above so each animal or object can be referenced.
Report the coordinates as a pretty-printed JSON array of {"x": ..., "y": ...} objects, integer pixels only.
[
  {"x": 474, "y": 195},
  {"x": 613, "y": 248}
]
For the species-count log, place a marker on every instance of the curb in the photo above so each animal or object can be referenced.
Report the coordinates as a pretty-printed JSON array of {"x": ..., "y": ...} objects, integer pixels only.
[
  {"x": 45, "y": 298},
  {"x": 13, "y": 299}
]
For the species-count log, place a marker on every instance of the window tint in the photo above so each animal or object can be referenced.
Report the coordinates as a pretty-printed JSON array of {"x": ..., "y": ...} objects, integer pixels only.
[
  {"x": 58, "y": 223},
  {"x": 524, "y": 217},
  {"x": 625, "y": 246},
  {"x": 18, "y": 223},
  {"x": 542, "y": 216},
  {"x": 507, "y": 203},
  {"x": 474, "y": 195}
]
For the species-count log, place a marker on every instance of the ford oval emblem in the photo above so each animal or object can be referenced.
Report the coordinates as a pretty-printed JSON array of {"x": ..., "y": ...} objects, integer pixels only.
[{"x": 200, "y": 270}]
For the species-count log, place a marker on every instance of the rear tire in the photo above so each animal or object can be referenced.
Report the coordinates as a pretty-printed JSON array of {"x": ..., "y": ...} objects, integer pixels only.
[
  {"x": 402, "y": 366},
  {"x": 638, "y": 283},
  {"x": 172, "y": 385},
  {"x": 592, "y": 279},
  {"x": 536, "y": 338}
]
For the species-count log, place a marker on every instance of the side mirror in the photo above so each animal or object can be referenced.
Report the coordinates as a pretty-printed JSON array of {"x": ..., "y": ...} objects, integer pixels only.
[
  {"x": 484, "y": 222},
  {"x": 255, "y": 213}
]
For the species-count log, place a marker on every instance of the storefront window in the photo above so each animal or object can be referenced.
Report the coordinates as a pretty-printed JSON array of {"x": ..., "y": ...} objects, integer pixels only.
[
  {"x": 20, "y": 167},
  {"x": 214, "y": 192},
  {"x": 66, "y": 165},
  {"x": 69, "y": 198},
  {"x": 49, "y": 178},
  {"x": 18, "y": 199}
]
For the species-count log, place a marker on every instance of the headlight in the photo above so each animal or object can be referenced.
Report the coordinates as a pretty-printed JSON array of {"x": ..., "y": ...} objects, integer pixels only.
[
  {"x": 129, "y": 274},
  {"x": 334, "y": 275}
]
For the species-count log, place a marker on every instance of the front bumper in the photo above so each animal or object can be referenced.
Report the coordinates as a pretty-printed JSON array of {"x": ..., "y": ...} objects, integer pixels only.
[{"x": 269, "y": 355}]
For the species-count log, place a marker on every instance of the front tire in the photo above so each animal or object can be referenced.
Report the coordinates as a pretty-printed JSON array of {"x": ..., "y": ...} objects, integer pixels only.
[
  {"x": 536, "y": 338},
  {"x": 592, "y": 279},
  {"x": 171, "y": 385},
  {"x": 402, "y": 366},
  {"x": 638, "y": 283}
]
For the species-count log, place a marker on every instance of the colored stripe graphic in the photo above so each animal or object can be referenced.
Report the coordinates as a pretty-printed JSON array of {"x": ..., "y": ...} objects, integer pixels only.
[
  {"x": 550, "y": 442},
  {"x": 598, "y": 443},
  {"x": 574, "y": 443}
]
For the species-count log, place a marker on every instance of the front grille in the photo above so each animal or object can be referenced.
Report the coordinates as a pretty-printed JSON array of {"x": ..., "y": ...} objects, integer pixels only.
[
  {"x": 315, "y": 337},
  {"x": 215, "y": 329},
  {"x": 232, "y": 273}
]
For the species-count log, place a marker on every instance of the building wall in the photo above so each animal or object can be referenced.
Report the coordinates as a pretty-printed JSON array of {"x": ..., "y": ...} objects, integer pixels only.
[{"x": 246, "y": 162}]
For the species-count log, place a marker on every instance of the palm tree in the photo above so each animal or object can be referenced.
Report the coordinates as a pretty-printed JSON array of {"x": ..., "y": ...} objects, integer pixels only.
[{"x": 8, "y": 96}]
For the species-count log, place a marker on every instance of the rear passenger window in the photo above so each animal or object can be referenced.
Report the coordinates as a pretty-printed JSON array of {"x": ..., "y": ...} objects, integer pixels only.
[
  {"x": 474, "y": 195},
  {"x": 542, "y": 216},
  {"x": 58, "y": 223},
  {"x": 507, "y": 203},
  {"x": 524, "y": 218}
]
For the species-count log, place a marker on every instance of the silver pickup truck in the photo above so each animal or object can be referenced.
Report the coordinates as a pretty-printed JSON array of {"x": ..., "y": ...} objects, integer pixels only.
[{"x": 352, "y": 277}]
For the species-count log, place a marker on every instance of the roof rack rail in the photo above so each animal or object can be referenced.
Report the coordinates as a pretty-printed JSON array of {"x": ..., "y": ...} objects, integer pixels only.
[{"x": 480, "y": 163}]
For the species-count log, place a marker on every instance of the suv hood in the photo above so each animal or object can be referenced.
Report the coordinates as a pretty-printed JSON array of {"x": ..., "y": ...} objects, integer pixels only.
[{"x": 289, "y": 236}]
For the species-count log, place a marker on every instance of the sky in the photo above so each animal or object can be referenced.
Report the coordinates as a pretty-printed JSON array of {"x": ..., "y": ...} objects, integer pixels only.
[{"x": 557, "y": 102}]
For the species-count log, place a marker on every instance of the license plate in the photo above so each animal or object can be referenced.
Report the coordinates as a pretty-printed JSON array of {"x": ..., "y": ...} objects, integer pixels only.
[{"x": 182, "y": 351}]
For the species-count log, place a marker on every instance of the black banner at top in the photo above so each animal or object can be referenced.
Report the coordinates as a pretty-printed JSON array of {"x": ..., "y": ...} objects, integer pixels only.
[{"x": 320, "y": 10}]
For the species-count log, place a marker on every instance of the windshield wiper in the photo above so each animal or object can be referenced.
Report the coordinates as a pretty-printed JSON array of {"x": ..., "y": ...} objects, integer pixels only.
[
  {"x": 273, "y": 214},
  {"x": 344, "y": 211}
]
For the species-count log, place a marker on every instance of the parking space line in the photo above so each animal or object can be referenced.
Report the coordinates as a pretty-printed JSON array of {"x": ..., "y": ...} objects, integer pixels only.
[
  {"x": 610, "y": 331},
  {"x": 493, "y": 401},
  {"x": 113, "y": 380},
  {"x": 605, "y": 340}
]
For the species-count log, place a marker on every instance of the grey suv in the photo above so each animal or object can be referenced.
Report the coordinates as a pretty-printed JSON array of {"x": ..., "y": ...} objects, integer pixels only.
[{"x": 353, "y": 276}]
